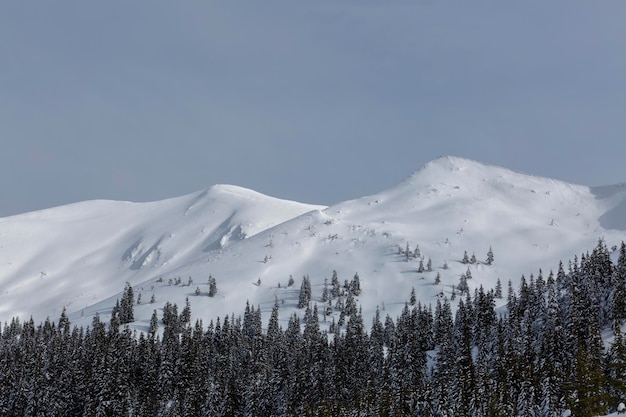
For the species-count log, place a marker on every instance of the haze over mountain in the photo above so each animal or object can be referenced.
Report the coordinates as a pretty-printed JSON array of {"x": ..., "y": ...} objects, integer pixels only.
[{"x": 80, "y": 256}]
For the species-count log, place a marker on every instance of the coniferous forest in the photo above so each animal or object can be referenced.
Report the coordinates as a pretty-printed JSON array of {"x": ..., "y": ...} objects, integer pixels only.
[{"x": 541, "y": 355}]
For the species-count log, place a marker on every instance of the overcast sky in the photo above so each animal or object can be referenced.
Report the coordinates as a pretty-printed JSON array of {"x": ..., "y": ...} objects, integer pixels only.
[{"x": 318, "y": 101}]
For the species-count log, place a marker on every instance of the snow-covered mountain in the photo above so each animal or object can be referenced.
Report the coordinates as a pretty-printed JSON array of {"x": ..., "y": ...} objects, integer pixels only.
[{"x": 80, "y": 256}]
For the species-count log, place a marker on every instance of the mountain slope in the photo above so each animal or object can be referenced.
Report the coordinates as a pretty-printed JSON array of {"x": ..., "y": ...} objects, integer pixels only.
[{"x": 79, "y": 256}]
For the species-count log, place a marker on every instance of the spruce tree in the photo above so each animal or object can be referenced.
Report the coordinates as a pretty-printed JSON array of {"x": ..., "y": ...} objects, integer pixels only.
[
  {"x": 126, "y": 314},
  {"x": 489, "y": 256},
  {"x": 305, "y": 292},
  {"x": 465, "y": 258}
]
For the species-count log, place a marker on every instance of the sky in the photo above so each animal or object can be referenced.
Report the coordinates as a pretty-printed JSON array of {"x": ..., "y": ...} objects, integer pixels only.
[{"x": 317, "y": 102}]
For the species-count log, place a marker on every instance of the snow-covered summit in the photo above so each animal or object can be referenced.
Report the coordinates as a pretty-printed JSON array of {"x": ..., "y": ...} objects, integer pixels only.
[{"x": 79, "y": 256}]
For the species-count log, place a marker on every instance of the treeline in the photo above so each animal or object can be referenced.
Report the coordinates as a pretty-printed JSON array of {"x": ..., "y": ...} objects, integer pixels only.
[{"x": 544, "y": 355}]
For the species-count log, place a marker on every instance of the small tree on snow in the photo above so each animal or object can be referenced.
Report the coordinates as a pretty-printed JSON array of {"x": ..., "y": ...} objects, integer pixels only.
[
  {"x": 463, "y": 287},
  {"x": 325, "y": 296},
  {"x": 355, "y": 285},
  {"x": 490, "y": 256},
  {"x": 305, "y": 292},
  {"x": 335, "y": 290},
  {"x": 416, "y": 252},
  {"x": 212, "y": 286}
]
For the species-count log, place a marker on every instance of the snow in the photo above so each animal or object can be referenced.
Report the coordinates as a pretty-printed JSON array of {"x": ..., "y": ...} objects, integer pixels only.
[{"x": 79, "y": 256}]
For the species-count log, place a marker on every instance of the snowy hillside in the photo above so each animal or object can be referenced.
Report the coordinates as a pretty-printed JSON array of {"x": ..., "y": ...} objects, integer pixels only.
[
  {"x": 77, "y": 255},
  {"x": 80, "y": 256}
]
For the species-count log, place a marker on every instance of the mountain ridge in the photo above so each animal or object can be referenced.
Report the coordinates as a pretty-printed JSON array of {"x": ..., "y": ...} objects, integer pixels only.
[{"x": 252, "y": 243}]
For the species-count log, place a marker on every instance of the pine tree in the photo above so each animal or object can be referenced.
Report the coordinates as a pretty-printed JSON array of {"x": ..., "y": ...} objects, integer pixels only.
[
  {"x": 212, "y": 286},
  {"x": 416, "y": 252},
  {"x": 335, "y": 290},
  {"x": 463, "y": 287},
  {"x": 64, "y": 322},
  {"x": 489, "y": 256},
  {"x": 126, "y": 305},
  {"x": 185, "y": 315},
  {"x": 154, "y": 325},
  {"x": 355, "y": 285},
  {"x": 305, "y": 292},
  {"x": 325, "y": 296},
  {"x": 498, "y": 289}
]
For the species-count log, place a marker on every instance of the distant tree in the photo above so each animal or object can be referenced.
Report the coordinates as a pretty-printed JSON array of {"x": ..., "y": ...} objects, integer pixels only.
[
  {"x": 126, "y": 305},
  {"x": 170, "y": 317},
  {"x": 429, "y": 265},
  {"x": 489, "y": 256},
  {"x": 325, "y": 296},
  {"x": 445, "y": 265},
  {"x": 154, "y": 325},
  {"x": 64, "y": 322},
  {"x": 291, "y": 281},
  {"x": 185, "y": 315},
  {"x": 438, "y": 279},
  {"x": 335, "y": 290},
  {"x": 355, "y": 285},
  {"x": 473, "y": 259},
  {"x": 305, "y": 292},
  {"x": 463, "y": 287},
  {"x": 212, "y": 286},
  {"x": 498, "y": 289},
  {"x": 420, "y": 268},
  {"x": 413, "y": 298},
  {"x": 465, "y": 258}
]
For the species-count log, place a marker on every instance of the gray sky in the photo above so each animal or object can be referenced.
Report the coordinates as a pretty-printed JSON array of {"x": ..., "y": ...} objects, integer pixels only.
[{"x": 312, "y": 101}]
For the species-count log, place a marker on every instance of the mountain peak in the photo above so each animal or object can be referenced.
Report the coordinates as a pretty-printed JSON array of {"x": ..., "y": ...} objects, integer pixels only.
[{"x": 446, "y": 164}]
